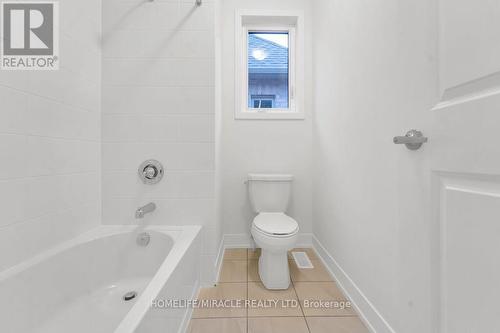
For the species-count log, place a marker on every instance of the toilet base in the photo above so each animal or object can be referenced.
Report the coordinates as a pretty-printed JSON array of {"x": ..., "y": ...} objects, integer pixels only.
[
  {"x": 273, "y": 262},
  {"x": 273, "y": 270}
]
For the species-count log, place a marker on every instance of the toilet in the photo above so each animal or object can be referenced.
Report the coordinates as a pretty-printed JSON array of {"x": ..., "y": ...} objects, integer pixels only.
[{"x": 272, "y": 230}]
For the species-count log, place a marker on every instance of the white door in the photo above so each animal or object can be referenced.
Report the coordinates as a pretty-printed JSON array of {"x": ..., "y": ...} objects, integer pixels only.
[
  {"x": 465, "y": 163},
  {"x": 450, "y": 189}
]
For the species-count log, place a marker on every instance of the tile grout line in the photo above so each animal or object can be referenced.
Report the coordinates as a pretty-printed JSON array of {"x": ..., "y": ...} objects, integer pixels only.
[{"x": 300, "y": 305}]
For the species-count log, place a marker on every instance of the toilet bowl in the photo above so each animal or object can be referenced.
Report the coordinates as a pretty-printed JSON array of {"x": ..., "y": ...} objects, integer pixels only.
[
  {"x": 272, "y": 230},
  {"x": 275, "y": 234}
]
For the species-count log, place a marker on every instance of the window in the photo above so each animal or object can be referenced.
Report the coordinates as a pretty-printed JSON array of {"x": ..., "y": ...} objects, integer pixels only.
[{"x": 267, "y": 68}]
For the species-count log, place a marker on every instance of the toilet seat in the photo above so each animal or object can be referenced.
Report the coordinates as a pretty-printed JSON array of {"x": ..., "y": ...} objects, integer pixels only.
[{"x": 275, "y": 224}]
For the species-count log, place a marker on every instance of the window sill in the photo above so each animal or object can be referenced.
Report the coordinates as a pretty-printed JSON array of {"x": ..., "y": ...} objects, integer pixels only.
[{"x": 269, "y": 115}]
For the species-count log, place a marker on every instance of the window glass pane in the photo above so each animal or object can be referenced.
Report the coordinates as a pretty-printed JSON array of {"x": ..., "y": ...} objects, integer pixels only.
[{"x": 268, "y": 70}]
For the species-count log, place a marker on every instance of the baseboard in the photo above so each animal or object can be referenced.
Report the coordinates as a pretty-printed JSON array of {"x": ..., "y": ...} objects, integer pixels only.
[
  {"x": 234, "y": 241},
  {"x": 366, "y": 310},
  {"x": 189, "y": 313}
]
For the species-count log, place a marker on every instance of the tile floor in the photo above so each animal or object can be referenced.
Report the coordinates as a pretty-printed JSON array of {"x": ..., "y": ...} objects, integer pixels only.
[{"x": 285, "y": 311}]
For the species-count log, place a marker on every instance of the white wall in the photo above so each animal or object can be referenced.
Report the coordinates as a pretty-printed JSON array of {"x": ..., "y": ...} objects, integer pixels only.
[
  {"x": 50, "y": 142},
  {"x": 158, "y": 102},
  {"x": 269, "y": 146},
  {"x": 374, "y": 79}
]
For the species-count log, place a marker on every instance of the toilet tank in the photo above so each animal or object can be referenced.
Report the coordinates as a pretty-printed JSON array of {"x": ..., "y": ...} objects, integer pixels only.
[{"x": 269, "y": 193}]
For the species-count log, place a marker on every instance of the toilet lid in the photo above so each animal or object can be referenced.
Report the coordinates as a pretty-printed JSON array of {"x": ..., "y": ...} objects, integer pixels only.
[{"x": 275, "y": 223}]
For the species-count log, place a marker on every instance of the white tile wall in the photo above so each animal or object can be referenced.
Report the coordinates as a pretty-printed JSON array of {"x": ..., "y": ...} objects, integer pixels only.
[
  {"x": 154, "y": 82},
  {"x": 175, "y": 184},
  {"x": 174, "y": 156},
  {"x": 24, "y": 239},
  {"x": 50, "y": 159},
  {"x": 157, "y": 72},
  {"x": 158, "y": 102}
]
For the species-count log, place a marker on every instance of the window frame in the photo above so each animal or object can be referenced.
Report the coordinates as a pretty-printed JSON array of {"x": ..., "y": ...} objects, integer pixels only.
[{"x": 247, "y": 22}]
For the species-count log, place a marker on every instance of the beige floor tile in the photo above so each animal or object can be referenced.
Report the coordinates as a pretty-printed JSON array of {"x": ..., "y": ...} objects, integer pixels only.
[
  {"x": 218, "y": 325},
  {"x": 233, "y": 271},
  {"x": 272, "y": 302},
  {"x": 336, "y": 325},
  {"x": 253, "y": 254},
  {"x": 253, "y": 271},
  {"x": 277, "y": 325},
  {"x": 323, "y": 299},
  {"x": 223, "y": 291},
  {"x": 318, "y": 273},
  {"x": 310, "y": 253},
  {"x": 235, "y": 254}
]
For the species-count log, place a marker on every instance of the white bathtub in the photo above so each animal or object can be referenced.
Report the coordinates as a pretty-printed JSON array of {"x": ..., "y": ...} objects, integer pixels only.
[{"x": 79, "y": 285}]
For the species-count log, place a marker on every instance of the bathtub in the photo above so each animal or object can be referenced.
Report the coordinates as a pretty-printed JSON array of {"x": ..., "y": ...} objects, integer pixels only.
[{"x": 79, "y": 286}]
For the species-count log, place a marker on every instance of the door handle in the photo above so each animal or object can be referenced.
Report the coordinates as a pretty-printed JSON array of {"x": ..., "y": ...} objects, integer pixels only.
[{"x": 413, "y": 140}]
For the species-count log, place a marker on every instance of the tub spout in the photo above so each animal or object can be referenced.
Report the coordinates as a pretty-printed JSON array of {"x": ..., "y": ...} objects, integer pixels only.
[{"x": 141, "y": 211}]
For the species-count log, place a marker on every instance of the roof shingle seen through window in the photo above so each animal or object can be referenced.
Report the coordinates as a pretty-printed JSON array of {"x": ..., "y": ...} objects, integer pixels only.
[{"x": 276, "y": 56}]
